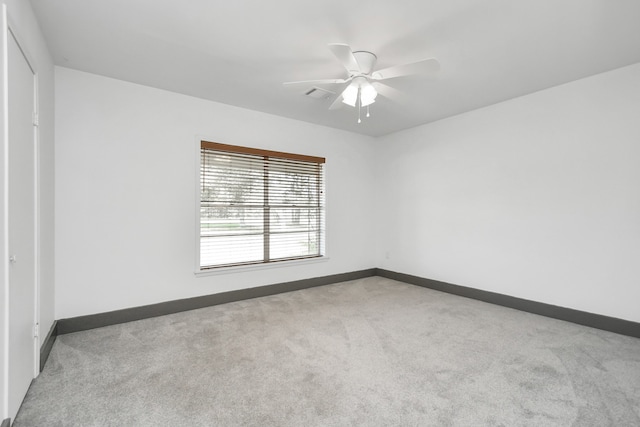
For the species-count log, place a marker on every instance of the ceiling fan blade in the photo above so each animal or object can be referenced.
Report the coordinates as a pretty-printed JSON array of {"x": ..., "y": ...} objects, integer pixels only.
[
  {"x": 426, "y": 66},
  {"x": 345, "y": 55},
  {"x": 317, "y": 82},
  {"x": 391, "y": 93},
  {"x": 337, "y": 103}
]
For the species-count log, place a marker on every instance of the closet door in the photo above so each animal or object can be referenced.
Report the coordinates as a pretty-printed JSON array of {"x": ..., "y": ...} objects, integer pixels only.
[{"x": 22, "y": 224}]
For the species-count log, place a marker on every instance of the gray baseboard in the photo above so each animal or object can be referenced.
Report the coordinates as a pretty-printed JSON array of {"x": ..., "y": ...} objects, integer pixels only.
[
  {"x": 45, "y": 349},
  {"x": 82, "y": 323},
  {"x": 6, "y": 422},
  {"x": 92, "y": 321},
  {"x": 611, "y": 324}
]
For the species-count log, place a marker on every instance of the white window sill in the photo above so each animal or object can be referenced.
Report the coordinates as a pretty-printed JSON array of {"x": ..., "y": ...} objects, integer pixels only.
[{"x": 252, "y": 267}]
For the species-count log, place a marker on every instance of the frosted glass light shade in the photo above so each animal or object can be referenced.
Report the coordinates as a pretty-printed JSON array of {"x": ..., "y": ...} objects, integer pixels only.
[
  {"x": 367, "y": 94},
  {"x": 350, "y": 95}
]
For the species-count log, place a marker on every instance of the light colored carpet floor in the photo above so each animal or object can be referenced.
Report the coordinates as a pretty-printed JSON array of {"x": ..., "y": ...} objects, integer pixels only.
[{"x": 370, "y": 352}]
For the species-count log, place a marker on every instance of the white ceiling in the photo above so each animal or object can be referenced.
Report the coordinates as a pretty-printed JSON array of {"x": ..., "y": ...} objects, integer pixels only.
[{"x": 240, "y": 52}]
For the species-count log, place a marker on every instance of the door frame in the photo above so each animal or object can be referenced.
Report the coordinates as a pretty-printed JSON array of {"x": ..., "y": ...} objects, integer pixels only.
[{"x": 9, "y": 29}]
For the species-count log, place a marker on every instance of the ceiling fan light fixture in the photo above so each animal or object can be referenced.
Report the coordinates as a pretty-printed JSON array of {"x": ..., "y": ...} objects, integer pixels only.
[
  {"x": 367, "y": 102},
  {"x": 350, "y": 95},
  {"x": 367, "y": 94}
]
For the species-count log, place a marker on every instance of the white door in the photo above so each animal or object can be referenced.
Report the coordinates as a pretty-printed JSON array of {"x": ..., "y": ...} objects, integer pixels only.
[{"x": 22, "y": 225}]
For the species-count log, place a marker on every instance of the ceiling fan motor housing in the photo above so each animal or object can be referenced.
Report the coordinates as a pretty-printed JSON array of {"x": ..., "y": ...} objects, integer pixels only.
[{"x": 366, "y": 61}]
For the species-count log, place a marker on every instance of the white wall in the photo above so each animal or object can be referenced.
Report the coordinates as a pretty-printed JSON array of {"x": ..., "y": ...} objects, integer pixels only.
[
  {"x": 534, "y": 197},
  {"x": 126, "y": 162},
  {"x": 537, "y": 197},
  {"x": 24, "y": 23}
]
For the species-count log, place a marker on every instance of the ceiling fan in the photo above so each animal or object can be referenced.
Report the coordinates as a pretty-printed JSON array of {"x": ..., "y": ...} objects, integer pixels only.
[{"x": 364, "y": 83}]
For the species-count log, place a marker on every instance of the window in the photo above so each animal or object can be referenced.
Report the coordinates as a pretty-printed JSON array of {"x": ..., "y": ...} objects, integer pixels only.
[{"x": 259, "y": 206}]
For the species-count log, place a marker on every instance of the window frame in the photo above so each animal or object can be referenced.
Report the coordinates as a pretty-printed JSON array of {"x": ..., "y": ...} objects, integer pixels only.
[{"x": 200, "y": 271}]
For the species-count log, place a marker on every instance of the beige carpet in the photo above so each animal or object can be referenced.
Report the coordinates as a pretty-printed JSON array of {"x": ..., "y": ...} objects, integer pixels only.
[{"x": 371, "y": 352}]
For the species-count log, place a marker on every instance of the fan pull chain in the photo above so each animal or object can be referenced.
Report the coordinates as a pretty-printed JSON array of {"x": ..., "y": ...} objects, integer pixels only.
[
  {"x": 368, "y": 115},
  {"x": 359, "y": 107}
]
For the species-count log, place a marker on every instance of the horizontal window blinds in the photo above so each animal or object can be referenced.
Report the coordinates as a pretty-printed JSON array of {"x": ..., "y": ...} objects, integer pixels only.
[{"x": 259, "y": 206}]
